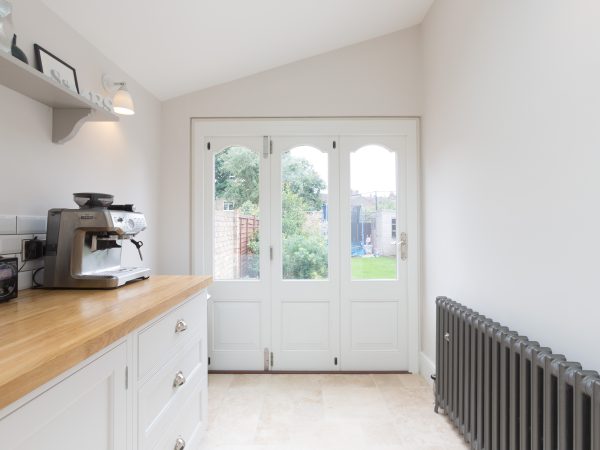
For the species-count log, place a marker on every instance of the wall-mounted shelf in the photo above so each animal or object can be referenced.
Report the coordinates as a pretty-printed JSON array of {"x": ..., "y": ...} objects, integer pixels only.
[{"x": 69, "y": 110}]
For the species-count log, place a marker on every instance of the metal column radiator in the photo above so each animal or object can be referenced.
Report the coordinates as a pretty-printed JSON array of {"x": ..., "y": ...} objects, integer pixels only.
[{"x": 505, "y": 392}]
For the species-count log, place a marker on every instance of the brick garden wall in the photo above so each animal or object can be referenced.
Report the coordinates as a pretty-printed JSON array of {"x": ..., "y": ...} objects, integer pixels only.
[{"x": 227, "y": 251}]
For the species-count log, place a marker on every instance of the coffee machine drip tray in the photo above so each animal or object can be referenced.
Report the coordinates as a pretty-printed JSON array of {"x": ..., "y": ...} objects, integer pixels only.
[{"x": 120, "y": 276}]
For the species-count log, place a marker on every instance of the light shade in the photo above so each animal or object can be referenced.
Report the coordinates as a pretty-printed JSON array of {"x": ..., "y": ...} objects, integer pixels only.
[{"x": 123, "y": 103}]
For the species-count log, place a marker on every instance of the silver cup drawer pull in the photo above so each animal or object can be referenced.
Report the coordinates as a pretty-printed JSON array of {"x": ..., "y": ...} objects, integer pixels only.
[
  {"x": 179, "y": 379},
  {"x": 180, "y": 326},
  {"x": 179, "y": 444}
]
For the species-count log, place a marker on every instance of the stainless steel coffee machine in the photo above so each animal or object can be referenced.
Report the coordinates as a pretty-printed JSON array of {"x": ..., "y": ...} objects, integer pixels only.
[{"x": 83, "y": 246}]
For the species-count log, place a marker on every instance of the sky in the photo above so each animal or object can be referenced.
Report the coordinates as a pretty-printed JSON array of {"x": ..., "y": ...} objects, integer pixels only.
[{"x": 372, "y": 168}]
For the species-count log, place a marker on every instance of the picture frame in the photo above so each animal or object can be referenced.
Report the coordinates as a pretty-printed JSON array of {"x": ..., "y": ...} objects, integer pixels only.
[{"x": 54, "y": 67}]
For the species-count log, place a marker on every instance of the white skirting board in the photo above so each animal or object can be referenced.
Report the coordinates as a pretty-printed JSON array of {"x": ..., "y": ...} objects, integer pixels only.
[{"x": 426, "y": 367}]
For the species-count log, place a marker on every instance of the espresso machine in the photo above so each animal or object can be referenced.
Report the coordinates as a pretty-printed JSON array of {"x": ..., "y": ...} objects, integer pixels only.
[{"x": 83, "y": 246}]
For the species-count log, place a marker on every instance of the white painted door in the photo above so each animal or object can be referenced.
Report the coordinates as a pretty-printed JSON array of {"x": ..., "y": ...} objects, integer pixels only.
[
  {"x": 237, "y": 251},
  {"x": 303, "y": 238},
  {"x": 305, "y": 249},
  {"x": 374, "y": 295},
  {"x": 86, "y": 410}
]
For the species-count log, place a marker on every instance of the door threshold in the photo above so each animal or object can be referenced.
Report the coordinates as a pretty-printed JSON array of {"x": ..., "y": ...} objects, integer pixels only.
[{"x": 309, "y": 372}]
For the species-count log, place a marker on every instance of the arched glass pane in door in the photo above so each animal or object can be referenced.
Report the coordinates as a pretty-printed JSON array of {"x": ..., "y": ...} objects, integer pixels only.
[
  {"x": 236, "y": 214},
  {"x": 304, "y": 225},
  {"x": 374, "y": 231}
]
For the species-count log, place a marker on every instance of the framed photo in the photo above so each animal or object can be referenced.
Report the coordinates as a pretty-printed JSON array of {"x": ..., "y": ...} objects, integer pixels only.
[{"x": 56, "y": 68}]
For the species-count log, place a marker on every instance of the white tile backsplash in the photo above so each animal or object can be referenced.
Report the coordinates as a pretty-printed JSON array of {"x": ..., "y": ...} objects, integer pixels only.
[
  {"x": 31, "y": 224},
  {"x": 25, "y": 280},
  {"x": 10, "y": 244},
  {"x": 15, "y": 229},
  {"x": 8, "y": 224}
]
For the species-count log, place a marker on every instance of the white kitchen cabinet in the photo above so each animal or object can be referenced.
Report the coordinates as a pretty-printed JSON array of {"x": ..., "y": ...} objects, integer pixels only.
[
  {"x": 147, "y": 391},
  {"x": 172, "y": 378},
  {"x": 86, "y": 410}
]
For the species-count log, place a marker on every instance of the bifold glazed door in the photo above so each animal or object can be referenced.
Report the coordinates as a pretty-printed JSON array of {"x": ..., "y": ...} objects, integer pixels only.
[
  {"x": 309, "y": 228},
  {"x": 237, "y": 251},
  {"x": 305, "y": 266},
  {"x": 374, "y": 307}
]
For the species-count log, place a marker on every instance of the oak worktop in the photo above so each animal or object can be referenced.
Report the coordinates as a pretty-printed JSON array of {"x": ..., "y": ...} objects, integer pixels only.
[{"x": 43, "y": 333}]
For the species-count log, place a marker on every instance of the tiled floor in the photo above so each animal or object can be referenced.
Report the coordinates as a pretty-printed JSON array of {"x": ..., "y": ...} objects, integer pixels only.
[{"x": 319, "y": 412}]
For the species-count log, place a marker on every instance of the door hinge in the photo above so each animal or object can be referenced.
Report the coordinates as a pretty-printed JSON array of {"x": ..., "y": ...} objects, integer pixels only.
[
  {"x": 126, "y": 377},
  {"x": 335, "y": 361},
  {"x": 209, "y": 360},
  {"x": 271, "y": 359},
  {"x": 208, "y": 146},
  {"x": 265, "y": 147},
  {"x": 334, "y": 144},
  {"x": 271, "y": 146},
  {"x": 271, "y": 253}
]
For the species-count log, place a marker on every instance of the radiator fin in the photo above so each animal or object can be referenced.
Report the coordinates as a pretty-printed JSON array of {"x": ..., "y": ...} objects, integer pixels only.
[{"x": 505, "y": 392}]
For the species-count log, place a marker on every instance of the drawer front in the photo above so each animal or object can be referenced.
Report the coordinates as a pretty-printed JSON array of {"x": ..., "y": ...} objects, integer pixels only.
[
  {"x": 188, "y": 425},
  {"x": 158, "y": 342},
  {"x": 159, "y": 396}
]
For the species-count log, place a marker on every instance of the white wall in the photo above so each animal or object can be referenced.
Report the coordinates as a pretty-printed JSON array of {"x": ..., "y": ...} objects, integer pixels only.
[
  {"x": 511, "y": 162},
  {"x": 118, "y": 158},
  {"x": 380, "y": 77}
]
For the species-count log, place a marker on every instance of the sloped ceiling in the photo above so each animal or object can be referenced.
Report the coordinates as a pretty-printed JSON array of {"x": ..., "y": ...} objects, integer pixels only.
[{"x": 180, "y": 46}]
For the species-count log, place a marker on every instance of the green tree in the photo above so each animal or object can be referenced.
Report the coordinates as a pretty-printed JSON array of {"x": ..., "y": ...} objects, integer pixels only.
[
  {"x": 236, "y": 177},
  {"x": 305, "y": 257},
  {"x": 304, "y": 250},
  {"x": 294, "y": 212},
  {"x": 237, "y": 180},
  {"x": 302, "y": 179}
]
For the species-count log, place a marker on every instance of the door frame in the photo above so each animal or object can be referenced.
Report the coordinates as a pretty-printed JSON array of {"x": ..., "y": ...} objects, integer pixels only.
[{"x": 200, "y": 127}]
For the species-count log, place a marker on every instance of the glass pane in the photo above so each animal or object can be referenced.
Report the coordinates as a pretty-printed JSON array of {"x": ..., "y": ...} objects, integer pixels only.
[
  {"x": 236, "y": 215},
  {"x": 304, "y": 214},
  {"x": 373, "y": 216}
]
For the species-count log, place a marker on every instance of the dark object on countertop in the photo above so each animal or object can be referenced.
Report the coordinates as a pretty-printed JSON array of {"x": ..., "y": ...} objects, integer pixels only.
[
  {"x": 17, "y": 52},
  {"x": 129, "y": 207},
  {"x": 9, "y": 278},
  {"x": 92, "y": 200}
]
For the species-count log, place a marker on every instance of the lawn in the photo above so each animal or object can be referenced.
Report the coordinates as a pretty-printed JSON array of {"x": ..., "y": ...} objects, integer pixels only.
[{"x": 383, "y": 267}]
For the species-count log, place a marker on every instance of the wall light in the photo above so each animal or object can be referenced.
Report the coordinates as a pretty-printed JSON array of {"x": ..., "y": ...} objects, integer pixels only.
[{"x": 122, "y": 101}]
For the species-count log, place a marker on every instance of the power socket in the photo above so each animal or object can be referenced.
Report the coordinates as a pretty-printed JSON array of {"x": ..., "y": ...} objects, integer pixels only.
[{"x": 32, "y": 249}]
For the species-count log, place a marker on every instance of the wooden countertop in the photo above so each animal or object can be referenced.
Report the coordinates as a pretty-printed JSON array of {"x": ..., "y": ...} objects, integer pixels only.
[{"x": 43, "y": 333}]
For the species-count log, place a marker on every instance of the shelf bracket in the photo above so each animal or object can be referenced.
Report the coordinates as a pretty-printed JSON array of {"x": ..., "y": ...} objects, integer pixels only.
[{"x": 66, "y": 123}]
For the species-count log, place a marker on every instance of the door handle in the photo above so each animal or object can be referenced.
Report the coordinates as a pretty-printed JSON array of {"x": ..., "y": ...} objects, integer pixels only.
[{"x": 403, "y": 246}]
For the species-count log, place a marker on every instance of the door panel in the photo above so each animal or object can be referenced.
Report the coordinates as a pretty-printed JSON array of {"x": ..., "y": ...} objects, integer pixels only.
[
  {"x": 374, "y": 325},
  {"x": 236, "y": 191},
  {"x": 373, "y": 300},
  {"x": 88, "y": 409},
  {"x": 305, "y": 326},
  {"x": 304, "y": 217},
  {"x": 237, "y": 326}
]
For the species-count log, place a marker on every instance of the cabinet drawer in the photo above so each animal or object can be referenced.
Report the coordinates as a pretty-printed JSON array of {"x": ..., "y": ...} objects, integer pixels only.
[
  {"x": 161, "y": 395},
  {"x": 158, "y": 342},
  {"x": 188, "y": 425}
]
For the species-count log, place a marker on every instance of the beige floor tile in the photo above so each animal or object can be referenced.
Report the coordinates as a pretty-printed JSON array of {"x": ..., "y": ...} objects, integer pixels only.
[{"x": 328, "y": 412}]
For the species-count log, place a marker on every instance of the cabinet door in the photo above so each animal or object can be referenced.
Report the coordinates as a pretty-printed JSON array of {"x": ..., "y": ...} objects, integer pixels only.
[{"x": 87, "y": 410}]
